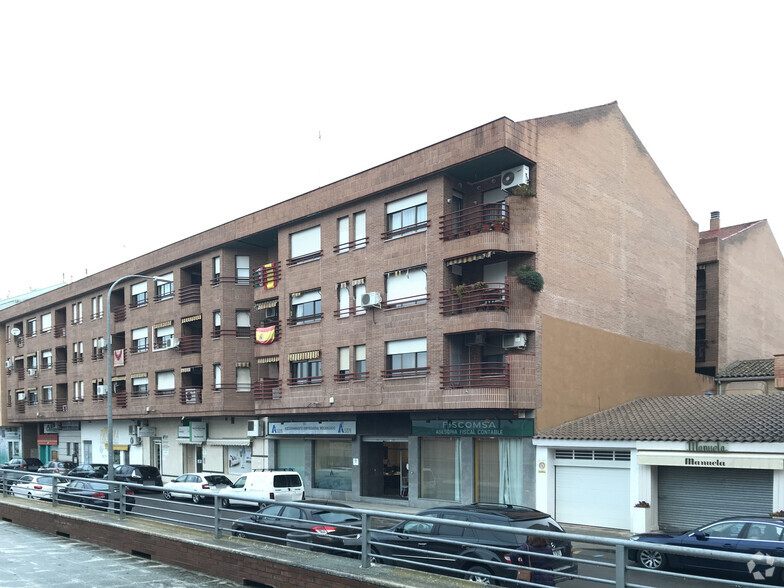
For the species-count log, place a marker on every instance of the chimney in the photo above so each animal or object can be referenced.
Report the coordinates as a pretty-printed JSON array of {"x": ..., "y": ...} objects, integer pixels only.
[{"x": 715, "y": 223}]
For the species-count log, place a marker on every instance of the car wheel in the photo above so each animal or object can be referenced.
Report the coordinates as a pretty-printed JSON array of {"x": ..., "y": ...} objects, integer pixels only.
[
  {"x": 652, "y": 559},
  {"x": 240, "y": 533},
  {"x": 225, "y": 503},
  {"x": 167, "y": 495},
  {"x": 30, "y": 495},
  {"x": 196, "y": 498},
  {"x": 82, "y": 505},
  {"x": 375, "y": 557},
  {"x": 475, "y": 574}
]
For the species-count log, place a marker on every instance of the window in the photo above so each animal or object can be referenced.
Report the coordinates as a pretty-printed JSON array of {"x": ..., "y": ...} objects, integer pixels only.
[
  {"x": 139, "y": 385},
  {"x": 46, "y": 322},
  {"x": 305, "y": 245},
  {"x": 216, "y": 323},
  {"x": 46, "y": 395},
  {"x": 164, "y": 290},
  {"x": 32, "y": 362},
  {"x": 332, "y": 464},
  {"x": 243, "y": 378},
  {"x": 78, "y": 352},
  {"x": 243, "y": 323},
  {"x": 343, "y": 236},
  {"x": 359, "y": 290},
  {"x": 360, "y": 363},
  {"x": 242, "y": 265},
  {"x": 96, "y": 307},
  {"x": 406, "y": 216},
  {"x": 20, "y": 395},
  {"x": 216, "y": 270},
  {"x": 305, "y": 368},
  {"x": 138, "y": 295},
  {"x": 140, "y": 343},
  {"x": 407, "y": 357},
  {"x": 76, "y": 313},
  {"x": 164, "y": 382},
  {"x": 344, "y": 300},
  {"x": 98, "y": 348},
  {"x": 406, "y": 287},
  {"x": 46, "y": 359},
  {"x": 78, "y": 391},
  {"x": 32, "y": 327},
  {"x": 32, "y": 396},
  {"x": 164, "y": 336},
  {"x": 344, "y": 363},
  {"x": 305, "y": 307},
  {"x": 360, "y": 234},
  {"x": 217, "y": 376},
  {"x": 439, "y": 471}
]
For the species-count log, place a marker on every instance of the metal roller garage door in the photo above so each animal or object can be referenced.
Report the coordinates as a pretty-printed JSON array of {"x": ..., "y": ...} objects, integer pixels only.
[
  {"x": 592, "y": 496},
  {"x": 691, "y": 497}
]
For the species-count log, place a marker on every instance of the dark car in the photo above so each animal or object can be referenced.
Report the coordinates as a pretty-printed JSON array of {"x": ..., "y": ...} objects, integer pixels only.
[
  {"x": 95, "y": 494},
  {"x": 90, "y": 470},
  {"x": 57, "y": 467},
  {"x": 423, "y": 545},
  {"x": 736, "y": 534},
  {"x": 143, "y": 475},
  {"x": 28, "y": 464},
  {"x": 313, "y": 525}
]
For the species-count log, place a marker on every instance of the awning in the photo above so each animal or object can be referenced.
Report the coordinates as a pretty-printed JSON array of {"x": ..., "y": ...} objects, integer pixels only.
[
  {"x": 188, "y": 319},
  {"x": 266, "y": 304},
  {"x": 303, "y": 355},
  {"x": 718, "y": 460},
  {"x": 268, "y": 359},
  {"x": 163, "y": 324},
  {"x": 139, "y": 375},
  {"x": 358, "y": 281},
  {"x": 242, "y": 364},
  {"x": 118, "y": 378},
  {"x": 469, "y": 258},
  {"x": 229, "y": 442},
  {"x": 188, "y": 442}
]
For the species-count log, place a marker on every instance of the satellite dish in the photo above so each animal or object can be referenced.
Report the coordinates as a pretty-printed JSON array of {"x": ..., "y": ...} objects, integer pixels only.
[{"x": 16, "y": 332}]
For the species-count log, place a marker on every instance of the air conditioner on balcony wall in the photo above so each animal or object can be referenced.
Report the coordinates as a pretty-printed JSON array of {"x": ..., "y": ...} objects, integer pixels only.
[
  {"x": 257, "y": 428},
  {"x": 9, "y": 364},
  {"x": 32, "y": 372},
  {"x": 514, "y": 341},
  {"x": 171, "y": 343},
  {"x": 515, "y": 176},
  {"x": 370, "y": 299}
]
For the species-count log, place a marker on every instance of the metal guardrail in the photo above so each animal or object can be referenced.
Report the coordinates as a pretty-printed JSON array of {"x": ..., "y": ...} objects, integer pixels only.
[{"x": 615, "y": 570}]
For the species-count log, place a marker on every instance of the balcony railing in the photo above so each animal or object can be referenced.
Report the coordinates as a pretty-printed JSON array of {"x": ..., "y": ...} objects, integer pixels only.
[
  {"x": 190, "y": 395},
  {"x": 305, "y": 381},
  {"x": 481, "y": 218},
  {"x": 238, "y": 333},
  {"x": 488, "y": 374},
  {"x": 349, "y": 311},
  {"x": 190, "y": 294},
  {"x": 350, "y": 245},
  {"x": 351, "y": 377},
  {"x": 119, "y": 313},
  {"x": 407, "y": 301},
  {"x": 59, "y": 331},
  {"x": 305, "y": 258},
  {"x": 474, "y": 297},
  {"x": 407, "y": 230},
  {"x": 406, "y": 372},
  {"x": 294, "y": 321},
  {"x": 267, "y": 276},
  {"x": 61, "y": 405},
  {"x": 267, "y": 389},
  {"x": 61, "y": 366},
  {"x": 190, "y": 344}
]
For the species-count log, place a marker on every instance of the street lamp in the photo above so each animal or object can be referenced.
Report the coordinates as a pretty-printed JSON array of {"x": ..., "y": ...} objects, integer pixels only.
[{"x": 109, "y": 360}]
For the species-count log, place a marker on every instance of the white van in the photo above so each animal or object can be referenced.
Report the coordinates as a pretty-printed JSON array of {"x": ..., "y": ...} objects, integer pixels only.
[{"x": 255, "y": 488}]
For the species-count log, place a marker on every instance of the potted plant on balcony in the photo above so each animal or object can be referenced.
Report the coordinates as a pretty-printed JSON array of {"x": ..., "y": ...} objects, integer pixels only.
[
  {"x": 529, "y": 277},
  {"x": 523, "y": 190}
]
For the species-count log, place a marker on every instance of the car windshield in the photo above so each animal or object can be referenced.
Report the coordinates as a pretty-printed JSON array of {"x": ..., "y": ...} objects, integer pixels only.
[
  {"x": 334, "y": 517},
  {"x": 99, "y": 486},
  {"x": 217, "y": 480}
]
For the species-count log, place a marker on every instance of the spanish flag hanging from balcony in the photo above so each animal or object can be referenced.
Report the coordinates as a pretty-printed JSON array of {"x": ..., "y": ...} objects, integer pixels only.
[
  {"x": 268, "y": 278},
  {"x": 265, "y": 335}
]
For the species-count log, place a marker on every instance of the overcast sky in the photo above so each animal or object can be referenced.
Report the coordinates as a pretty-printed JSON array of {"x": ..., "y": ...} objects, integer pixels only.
[{"x": 126, "y": 126}]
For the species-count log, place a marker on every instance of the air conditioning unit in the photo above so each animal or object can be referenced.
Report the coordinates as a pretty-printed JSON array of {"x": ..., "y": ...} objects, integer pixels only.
[
  {"x": 100, "y": 390},
  {"x": 515, "y": 176},
  {"x": 475, "y": 339},
  {"x": 171, "y": 343},
  {"x": 257, "y": 428},
  {"x": 9, "y": 364},
  {"x": 514, "y": 341},
  {"x": 271, "y": 312},
  {"x": 369, "y": 299},
  {"x": 32, "y": 372},
  {"x": 134, "y": 440}
]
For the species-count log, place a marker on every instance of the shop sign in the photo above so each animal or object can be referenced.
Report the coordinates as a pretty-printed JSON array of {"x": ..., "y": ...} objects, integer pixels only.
[
  {"x": 193, "y": 431},
  {"x": 313, "y": 428},
  {"x": 473, "y": 428},
  {"x": 147, "y": 431},
  {"x": 757, "y": 461},
  {"x": 707, "y": 446}
]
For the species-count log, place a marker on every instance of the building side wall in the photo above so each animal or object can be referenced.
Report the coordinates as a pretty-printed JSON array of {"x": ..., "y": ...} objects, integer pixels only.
[
  {"x": 585, "y": 370},
  {"x": 752, "y": 280}
]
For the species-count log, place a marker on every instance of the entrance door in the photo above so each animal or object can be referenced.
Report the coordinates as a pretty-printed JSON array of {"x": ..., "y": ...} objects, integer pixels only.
[
  {"x": 199, "y": 459},
  {"x": 385, "y": 469}
]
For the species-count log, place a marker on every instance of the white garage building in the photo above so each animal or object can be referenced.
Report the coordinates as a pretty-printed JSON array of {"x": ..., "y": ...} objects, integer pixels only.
[{"x": 665, "y": 463}]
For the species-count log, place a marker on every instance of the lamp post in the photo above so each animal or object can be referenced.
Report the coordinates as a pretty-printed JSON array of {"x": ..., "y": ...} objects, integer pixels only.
[{"x": 109, "y": 360}]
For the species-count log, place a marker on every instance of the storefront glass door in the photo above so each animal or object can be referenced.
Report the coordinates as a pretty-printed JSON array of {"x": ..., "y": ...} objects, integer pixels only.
[{"x": 385, "y": 469}]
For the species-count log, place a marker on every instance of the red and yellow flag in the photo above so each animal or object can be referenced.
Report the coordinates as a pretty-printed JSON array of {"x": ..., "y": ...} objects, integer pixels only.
[
  {"x": 268, "y": 276},
  {"x": 265, "y": 335}
]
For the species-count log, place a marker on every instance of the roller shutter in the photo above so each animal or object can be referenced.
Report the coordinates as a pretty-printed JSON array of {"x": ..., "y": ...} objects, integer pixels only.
[{"x": 691, "y": 497}]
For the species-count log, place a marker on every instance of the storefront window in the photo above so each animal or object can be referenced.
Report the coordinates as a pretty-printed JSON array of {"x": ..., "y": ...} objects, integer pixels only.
[
  {"x": 291, "y": 454},
  {"x": 491, "y": 458},
  {"x": 332, "y": 465},
  {"x": 439, "y": 471}
]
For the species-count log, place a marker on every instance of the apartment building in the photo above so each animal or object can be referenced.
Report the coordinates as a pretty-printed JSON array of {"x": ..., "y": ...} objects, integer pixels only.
[
  {"x": 740, "y": 272},
  {"x": 387, "y": 335}
]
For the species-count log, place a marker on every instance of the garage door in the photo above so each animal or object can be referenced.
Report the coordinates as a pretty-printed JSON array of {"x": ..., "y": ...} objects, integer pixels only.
[
  {"x": 691, "y": 497},
  {"x": 593, "y": 496}
]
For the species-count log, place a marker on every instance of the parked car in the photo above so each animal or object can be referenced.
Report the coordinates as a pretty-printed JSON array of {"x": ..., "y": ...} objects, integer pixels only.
[
  {"x": 57, "y": 467},
  {"x": 735, "y": 534},
  {"x": 89, "y": 470},
  {"x": 258, "y": 488},
  {"x": 179, "y": 486},
  {"x": 422, "y": 545},
  {"x": 29, "y": 464},
  {"x": 95, "y": 494},
  {"x": 35, "y": 486},
  {"x": 313, "y": 525},
  {"x": 143, "y": 475}
]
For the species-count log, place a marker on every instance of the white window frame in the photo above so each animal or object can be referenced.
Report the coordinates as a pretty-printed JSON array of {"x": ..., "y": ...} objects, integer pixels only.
[
  {"x": 305, "y": 243},
  {"x": 409, "y": 286}
]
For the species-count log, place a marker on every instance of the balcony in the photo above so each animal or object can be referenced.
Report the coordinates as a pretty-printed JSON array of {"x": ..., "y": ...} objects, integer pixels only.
[
  {"x": 61, "y": 367},
  {"x": 190, "y": 395},
  {"x": 412, "y": 372},
  {"x": 59, "y": 331},
  {"x": 351, "y": 377},
  {"x": 190, "y": 294},
  {"x": 480, "y": 296},
  {"x": 305, "y": 381},
  {"x": 190, "y": 344},
  {"x": 351, "y": 245},
  {"x": 407, "y": 301},
  {"x": 482, "y": 218},
  {"x": 488, "y": 374},
  {"x": 119, "y": 313},
  {"x": 315, "y": 255},
  {"x": 267, "y": 276},
  {"x": 267, "y": 389}
]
